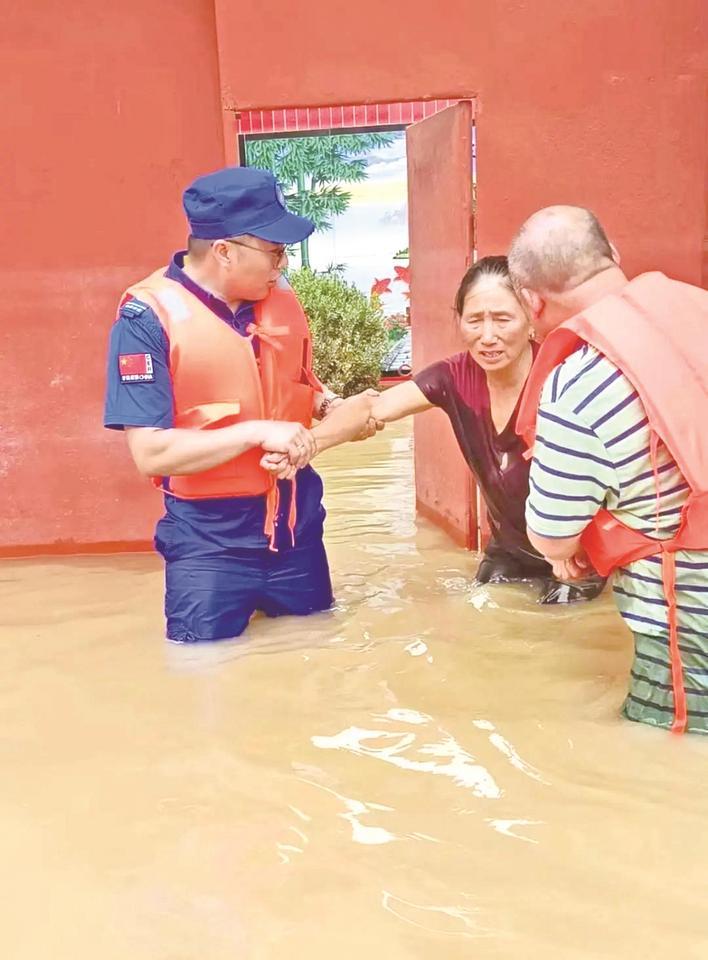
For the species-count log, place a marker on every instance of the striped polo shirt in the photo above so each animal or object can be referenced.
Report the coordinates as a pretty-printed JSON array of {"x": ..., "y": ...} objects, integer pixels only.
[{"x": 592, "y": 450}]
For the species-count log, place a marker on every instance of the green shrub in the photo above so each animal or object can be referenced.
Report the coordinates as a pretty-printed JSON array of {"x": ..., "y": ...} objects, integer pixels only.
[{"x": 348, "y": 330}]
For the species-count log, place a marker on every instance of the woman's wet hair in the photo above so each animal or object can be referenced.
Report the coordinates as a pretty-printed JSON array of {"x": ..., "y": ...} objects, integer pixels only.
[{"x": 486, "y": 267}]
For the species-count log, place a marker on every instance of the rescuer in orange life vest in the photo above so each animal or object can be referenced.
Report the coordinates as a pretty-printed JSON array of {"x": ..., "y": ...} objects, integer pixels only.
[
  {"x": 210, "y": 366},
  {"x": 615, "y": 412}
]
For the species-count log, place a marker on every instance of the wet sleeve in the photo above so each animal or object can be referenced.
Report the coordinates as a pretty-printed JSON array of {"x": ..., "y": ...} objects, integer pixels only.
[
  {"x": 435, "y": 383},
  {"x": 138, "y": 383},
  {"x": 571, "y": 474}
]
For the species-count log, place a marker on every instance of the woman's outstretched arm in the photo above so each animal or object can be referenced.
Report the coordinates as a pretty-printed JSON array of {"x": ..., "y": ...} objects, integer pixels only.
[
  {"x": 348, "y": 421},
  {"x": 400, "y": 401}
]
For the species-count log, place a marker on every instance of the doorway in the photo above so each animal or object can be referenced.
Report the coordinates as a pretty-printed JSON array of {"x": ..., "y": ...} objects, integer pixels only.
[{"x": 391, "y": 188}]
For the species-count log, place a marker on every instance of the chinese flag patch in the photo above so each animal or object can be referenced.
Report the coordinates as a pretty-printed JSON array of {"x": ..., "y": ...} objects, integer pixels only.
[{"x": 135, "y": 367}]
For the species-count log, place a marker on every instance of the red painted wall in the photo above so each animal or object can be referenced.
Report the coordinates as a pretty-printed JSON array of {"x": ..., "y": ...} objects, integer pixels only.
[
  {"x": 108, "y": 110},
  {"x": 597, "y": 102},
  {"x": 102, "y": 127},
  {"x": 600, "y": 102}
]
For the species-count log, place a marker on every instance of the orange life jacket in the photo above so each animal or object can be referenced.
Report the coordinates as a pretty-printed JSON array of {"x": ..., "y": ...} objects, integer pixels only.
[
  {"x": 218, "y": 381},
  {"x": 655, "y": 330}
]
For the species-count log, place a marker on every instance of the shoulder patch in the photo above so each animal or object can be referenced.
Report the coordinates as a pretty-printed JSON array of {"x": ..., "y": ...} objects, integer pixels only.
[{"x": 132, "y": 308}]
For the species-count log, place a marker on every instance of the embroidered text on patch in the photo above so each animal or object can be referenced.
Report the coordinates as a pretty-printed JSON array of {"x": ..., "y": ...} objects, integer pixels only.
[{"x": 135, "y": 367}]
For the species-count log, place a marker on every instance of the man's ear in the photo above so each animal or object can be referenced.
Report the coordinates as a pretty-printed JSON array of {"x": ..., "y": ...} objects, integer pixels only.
[
  {"x": 615, "y": 254},
  {"x": 532, "y": 302},
  {"x": 220, "y": 250}
]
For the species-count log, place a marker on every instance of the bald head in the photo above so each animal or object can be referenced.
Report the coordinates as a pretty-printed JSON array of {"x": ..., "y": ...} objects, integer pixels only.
[{"x": 557, "y": 249}]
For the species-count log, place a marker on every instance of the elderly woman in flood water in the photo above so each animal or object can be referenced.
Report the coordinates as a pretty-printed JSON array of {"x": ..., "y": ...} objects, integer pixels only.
[{"x": 479, "y": 389}]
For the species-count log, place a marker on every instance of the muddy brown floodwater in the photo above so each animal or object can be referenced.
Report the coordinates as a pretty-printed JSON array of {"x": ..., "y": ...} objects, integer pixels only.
[{"x": 432, "y": 770}]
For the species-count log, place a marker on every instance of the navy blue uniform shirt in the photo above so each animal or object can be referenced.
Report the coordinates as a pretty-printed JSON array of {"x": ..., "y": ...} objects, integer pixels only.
[{"x": 143, "y": 397}]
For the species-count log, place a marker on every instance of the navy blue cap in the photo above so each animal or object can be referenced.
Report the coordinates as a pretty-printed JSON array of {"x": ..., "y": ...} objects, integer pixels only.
[{"x": 242, "y": 200}]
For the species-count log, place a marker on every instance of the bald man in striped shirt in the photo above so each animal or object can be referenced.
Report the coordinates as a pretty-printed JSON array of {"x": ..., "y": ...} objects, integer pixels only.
[{"x": 593, "y": 450}]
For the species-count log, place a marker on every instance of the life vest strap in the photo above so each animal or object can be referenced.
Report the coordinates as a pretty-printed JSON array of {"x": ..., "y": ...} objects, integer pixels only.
[
  {"x": 272, "y": 506},
  {"x": 272, "y": 510},
  {"x": 292, "y": 517},
  {"x": 653, "y": 455},
  {"x": 268, "y": 334},
  {"x": 668, "y": 578}
]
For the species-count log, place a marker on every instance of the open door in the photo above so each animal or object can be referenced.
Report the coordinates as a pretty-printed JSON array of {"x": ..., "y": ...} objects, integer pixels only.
[{"x": 441, "y": 231}]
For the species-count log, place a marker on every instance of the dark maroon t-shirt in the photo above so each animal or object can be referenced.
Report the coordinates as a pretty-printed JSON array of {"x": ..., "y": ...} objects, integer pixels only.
[{"x": 459, "y": 387}]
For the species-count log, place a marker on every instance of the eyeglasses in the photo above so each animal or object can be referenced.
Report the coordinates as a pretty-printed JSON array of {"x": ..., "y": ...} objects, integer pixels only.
[{"x": 276, "y": 255}]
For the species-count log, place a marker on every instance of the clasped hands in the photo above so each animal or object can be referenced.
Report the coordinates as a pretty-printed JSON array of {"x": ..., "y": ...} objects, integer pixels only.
[{"x": 288, "y": 450}]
